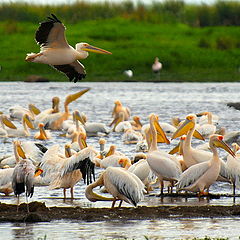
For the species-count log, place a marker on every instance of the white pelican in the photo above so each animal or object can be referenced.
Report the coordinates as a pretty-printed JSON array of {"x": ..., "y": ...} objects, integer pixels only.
[
  {"x": 233, "y": 166},
  {"x": 121, "y": 125},
  {"x": 231, "y": 136},
  {"x": 165, "y": 166},
  {"x": 204, "y": 118},
  {"x": 42, "y": 134},
  {"x": 6, "y": 180},
  {"x": 201, "y": 176},
  {"x": 117, "y": 109},
  {"x": 122, "y": 184},
  {"x": 157, "y": 66},
  {"x": 21, "y": 132},
  {"x": 56, "y": 51},
  {"x": 130, "y": 136},
  {"x": 136, "y": 123},
  {"x": 4, "y": 121},
  {"x": 115, "y": 161},
  {"x": 59, "y": 170},
  {"x": 23, "y": 175},
  {"x": 208, "y": 128}
]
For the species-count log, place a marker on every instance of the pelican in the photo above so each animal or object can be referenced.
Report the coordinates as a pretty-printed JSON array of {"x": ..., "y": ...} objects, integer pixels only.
[
  {"x": 115, "y": 161},
  {"x": 130, "y": 136},
  {"x": 6, "y": 180},
  {"x": 122, "y": 184},
  {"x": 17, "y": 112},
  {"x": 233, "y": 166},
  {"x": 208, "y": 128},
  {"x": 23, "y": 175},
  {"x": 121, "y": 125},
  {"x": 201, "y": 176},
  {"x": 21, "y": 132},
  {"x": 204, "y": 118},
  {"x": 230, "y": 136},
  {"x": 157, "y": 66},
  {"x": 118, "y": 108},
  {"x": 165, "y": 166},
  {"x": 68, "y": 180},
  {"x": 42, "y": 134},
  {"x": 136, "y": 123},
  {"x": 56, "y": 51}
]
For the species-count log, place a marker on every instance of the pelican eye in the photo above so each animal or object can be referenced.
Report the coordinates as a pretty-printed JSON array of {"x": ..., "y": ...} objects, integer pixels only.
[{"x": 220, "y": 138}]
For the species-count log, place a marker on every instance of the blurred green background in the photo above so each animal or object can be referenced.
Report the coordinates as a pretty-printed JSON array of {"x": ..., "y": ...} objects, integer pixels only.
[{"x": 193, "y": 42}]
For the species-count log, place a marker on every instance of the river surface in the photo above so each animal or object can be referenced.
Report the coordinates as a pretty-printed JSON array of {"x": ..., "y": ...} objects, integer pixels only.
[{"x": 167, "y": 100}]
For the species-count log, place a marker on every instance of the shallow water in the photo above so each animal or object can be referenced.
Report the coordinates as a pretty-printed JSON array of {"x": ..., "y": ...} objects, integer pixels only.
[{"x": 165, "y": 99}]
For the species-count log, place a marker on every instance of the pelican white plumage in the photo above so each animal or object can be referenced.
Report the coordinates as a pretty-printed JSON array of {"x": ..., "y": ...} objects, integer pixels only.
[
  {"x": 17, "y": 112},
  {"x": 233, "y": 167},
  {"x": 165, "y": 166},
  {"x": 56, "y": 51},
  {"x": 201, "y": 176},
  {"x": 130, "y": 136},
  {"x": 6, "y": 180},
  {"x": 122, "y": 184},
  {"x": 204, "y": 118},
  {"x": 157, "y": 66},
  {"x": 59, "y": 170}
]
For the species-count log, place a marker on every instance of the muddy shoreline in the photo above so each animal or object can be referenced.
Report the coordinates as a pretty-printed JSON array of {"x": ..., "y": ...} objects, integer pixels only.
[{"x": 40, "y": 213}]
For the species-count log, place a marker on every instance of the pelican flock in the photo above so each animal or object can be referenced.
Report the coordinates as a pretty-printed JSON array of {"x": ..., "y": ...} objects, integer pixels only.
[{"x": 39, "y": 159}]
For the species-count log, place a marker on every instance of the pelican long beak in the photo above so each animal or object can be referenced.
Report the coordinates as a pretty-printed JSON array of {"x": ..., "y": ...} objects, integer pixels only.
[
  {"x": 8, "y": 123},
  {"x": 20, "y": 152},
  {"x": 28, "y": 121},
  {"x": 183, "y": 129},
  {"x": 161, "y": 136},
  {"x": 90, "y": 48},
  {"x": 34, "y": 109},
  {"x": 175, "y": 149},
  {"x": 221, "y": 144},
  {"x": 93, "y": 197},
  {"x": 198, "y": 135},
  {"x": 75, "y": 96}
]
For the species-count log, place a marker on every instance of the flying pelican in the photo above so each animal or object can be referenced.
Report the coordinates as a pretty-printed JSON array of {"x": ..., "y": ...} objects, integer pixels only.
[
  {"x": 122, "y": 184},
  {"x": 165, "y": 166},
  {"x": 157, "y": 66},
  {"x": 201, "y": 176},
  {"x": 23, "y": 176},
  {"x": 55, "y": 50},
  {"x": 233, "y": 166}
]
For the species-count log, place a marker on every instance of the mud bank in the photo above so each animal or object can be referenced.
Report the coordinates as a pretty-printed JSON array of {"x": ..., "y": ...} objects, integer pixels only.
[{"x": 40, "y": 213}]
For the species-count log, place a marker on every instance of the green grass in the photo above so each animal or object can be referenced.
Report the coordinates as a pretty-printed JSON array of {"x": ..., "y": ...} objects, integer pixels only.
[{"x": 187, "y": 53}]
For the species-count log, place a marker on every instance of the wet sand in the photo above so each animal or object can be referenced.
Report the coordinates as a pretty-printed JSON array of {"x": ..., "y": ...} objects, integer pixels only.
[{"x": 40, "y": 213}]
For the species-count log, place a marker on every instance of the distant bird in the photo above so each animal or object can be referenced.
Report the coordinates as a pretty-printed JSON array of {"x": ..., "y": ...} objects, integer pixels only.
[
  {"x": 157, "y": 66},
  {"x": 128, "y": 73},
  {"x": 55, "y": 50},
  {"x": 122, "y": 184}
]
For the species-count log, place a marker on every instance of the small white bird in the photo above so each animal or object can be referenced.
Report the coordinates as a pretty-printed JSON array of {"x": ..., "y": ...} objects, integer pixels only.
[
  {"x": 128, "y": 73},
  {"x": 157, "y": 66}
]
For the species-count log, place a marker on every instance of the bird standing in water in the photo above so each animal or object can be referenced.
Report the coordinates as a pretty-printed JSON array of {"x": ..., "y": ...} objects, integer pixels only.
[{"x": 55, "y": 50}]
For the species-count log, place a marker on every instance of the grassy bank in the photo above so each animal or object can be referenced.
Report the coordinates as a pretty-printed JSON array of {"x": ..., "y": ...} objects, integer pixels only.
[{"x": 187, "y": 53}]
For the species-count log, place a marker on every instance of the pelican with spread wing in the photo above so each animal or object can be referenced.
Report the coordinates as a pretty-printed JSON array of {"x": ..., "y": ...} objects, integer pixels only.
[{"x": 56, "y": 51}]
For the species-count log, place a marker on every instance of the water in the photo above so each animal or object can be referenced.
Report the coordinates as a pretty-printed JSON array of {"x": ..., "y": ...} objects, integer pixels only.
[{"x": 165, "y": 99}]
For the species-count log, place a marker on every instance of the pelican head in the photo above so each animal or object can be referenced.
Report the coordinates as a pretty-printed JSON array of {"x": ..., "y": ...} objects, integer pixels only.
[
  {"x": 217, "y": 141},
  {"x": 84, "y": 48}
]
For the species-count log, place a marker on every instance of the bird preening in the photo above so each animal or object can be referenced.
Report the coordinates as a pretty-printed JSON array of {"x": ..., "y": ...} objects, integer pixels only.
[{"x": 56, "y": 52}]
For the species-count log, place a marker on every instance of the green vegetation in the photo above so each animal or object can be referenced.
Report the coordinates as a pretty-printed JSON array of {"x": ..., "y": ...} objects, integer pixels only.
[{"x": 135, "y": 35}]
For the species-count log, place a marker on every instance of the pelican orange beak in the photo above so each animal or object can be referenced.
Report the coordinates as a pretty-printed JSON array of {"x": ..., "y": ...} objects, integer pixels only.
[
  {"x": 72, "y": 97},
  {"x": 161, "y": 136},
  {"x": 38, "y": 172},
  {"x": 78, "y": 117},
  {"x": 90, "y": 48},
  {"x": 218, "y": 142},
  {"x": 185, "y": 127},
  {"x": 175, "y": 149},
  {"x": 20, "y": 151},
  {"x": 28, "y": 121},
  {"x": 34, "y": 109},
  {"x": 8, "y": 122}
]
